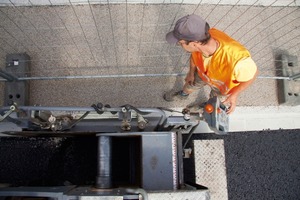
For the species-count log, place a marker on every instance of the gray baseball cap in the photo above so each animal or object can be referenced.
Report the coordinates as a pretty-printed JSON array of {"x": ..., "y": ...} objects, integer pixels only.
[{"x": 189, "y": 28}]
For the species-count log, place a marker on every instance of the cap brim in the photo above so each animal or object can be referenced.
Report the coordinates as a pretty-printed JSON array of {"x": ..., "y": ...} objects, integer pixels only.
[{"x": 171, "y": 39}]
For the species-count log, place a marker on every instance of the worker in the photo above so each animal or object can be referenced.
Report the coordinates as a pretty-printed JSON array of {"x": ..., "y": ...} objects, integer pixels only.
[{"x": 216, "y": 60}]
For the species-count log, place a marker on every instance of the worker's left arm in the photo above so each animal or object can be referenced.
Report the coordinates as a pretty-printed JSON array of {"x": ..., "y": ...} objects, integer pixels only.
[{"x": 246, "y": 72}]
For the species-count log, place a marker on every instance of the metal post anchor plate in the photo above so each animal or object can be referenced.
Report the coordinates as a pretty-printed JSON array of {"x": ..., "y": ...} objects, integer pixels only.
[{"x": 17, "y": 65}]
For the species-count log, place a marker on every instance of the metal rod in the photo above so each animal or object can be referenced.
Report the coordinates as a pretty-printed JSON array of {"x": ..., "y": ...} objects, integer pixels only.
[
  {"x": 99, "y": 76},
  {"x": 104, "y": 173},
  {"x": 295, "y": 77},
  {"x": 190, "y": 135},
  {"x": 274, "y": 77},
  {"x": 120, "y": 76},
  {"x": 140, "y": 191},
  {"x": 8, "y": 76}
]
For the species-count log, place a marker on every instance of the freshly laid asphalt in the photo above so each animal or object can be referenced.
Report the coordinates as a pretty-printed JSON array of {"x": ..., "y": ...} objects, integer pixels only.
[{"x": 260, "y": 165}]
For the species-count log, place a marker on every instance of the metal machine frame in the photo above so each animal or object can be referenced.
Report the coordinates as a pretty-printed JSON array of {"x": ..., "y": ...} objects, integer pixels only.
[{"x": 159, "y": 131}]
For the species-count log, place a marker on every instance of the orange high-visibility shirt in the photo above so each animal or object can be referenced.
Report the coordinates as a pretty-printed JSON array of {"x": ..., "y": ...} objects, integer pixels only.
[{"x": 219, "y": 72}]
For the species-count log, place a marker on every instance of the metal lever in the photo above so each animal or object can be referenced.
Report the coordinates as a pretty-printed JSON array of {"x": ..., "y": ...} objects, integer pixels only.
[
  {"x": 12, "y": 108},
  {"x": 142, "y": 122},
  {"x": 125, "y": 115}
]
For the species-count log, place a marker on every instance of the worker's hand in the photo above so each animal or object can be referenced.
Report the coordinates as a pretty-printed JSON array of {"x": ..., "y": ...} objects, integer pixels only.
[
  {"x": 231, "y": 102},
  {"x": 190, "y": 79}
]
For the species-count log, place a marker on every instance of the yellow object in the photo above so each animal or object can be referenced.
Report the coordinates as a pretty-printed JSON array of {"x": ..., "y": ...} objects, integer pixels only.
[{"x": 219, "y": 70}]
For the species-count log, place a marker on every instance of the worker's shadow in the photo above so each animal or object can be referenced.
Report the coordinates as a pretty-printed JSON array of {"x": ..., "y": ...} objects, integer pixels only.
[{"x": 196, "y": 98}]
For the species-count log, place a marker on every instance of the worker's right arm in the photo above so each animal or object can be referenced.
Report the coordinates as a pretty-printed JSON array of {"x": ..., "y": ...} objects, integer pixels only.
[{"x": 190, "y": 77}]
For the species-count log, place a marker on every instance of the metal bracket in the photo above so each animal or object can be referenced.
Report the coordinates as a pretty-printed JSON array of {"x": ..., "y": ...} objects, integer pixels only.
[
  {"x": 12, "y": 109},
  {"x": 125, "y": 116},
  {"x": 17, "y": 65},
  {"x": 289, "y": 89}
]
